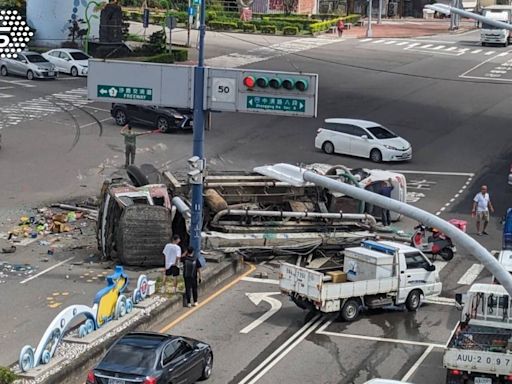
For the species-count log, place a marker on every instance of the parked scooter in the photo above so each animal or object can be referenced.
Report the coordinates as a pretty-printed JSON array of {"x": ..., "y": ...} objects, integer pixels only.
[{"x": 433, "y": 241}]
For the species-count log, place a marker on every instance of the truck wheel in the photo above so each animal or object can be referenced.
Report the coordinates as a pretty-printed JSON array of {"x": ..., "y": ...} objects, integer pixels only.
[
  {"x": 413, "y": 301},
  {"x": 350, "y": 310}
]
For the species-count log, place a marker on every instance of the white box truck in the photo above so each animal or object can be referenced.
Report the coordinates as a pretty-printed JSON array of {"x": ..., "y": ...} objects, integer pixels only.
[
  {"x": 479, "y": 350},
  {"x": 490, "y": 34},
  {"x": 378, "y": 274}
]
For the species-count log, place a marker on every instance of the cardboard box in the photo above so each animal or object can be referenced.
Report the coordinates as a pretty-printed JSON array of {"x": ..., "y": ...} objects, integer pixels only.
[{"x": 338, "y": 276}]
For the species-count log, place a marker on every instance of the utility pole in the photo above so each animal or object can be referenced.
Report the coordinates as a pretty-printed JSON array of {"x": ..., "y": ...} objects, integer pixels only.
[
  {"x": 379, "y": 18},
  {"x": 190, "y": 21},
  {"x": 198, "y": 138},
  {"x": 369, "y": 32}
]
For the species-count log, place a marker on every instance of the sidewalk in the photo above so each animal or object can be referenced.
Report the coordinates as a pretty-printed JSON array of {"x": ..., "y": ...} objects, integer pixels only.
[{"x": 405, "y": 28}]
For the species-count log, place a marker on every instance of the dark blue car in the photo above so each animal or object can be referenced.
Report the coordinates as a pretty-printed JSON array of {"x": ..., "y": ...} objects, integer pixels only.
[{"x": 507, "y": 230}]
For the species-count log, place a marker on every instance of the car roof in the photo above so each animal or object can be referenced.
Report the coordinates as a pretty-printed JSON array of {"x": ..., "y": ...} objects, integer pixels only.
[
  {"x": 66, "y": 50},
  {"x": 359, "y": 123},
  {"x": 147, "y": 338},
  {"x": 30, "y": 53}
]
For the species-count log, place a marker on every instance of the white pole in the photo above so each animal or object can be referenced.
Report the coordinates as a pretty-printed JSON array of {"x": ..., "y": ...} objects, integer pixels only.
[{"x": 369, "y": 32}]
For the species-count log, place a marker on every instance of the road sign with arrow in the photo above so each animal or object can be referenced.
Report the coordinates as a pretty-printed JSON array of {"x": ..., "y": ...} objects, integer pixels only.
[{"x": 124, "y": 92}]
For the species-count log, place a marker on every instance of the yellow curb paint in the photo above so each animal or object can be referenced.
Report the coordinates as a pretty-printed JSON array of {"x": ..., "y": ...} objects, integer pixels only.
[
  {"x": 55, "y": 305},
  {"x": 189, "y": 312}
]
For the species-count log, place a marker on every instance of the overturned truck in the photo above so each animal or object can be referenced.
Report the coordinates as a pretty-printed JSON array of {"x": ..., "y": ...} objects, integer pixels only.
[{"x": 244, "y": 211}]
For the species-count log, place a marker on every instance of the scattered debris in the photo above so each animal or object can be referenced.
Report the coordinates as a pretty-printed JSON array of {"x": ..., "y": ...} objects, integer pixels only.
[{"x": 11, "y": 249}]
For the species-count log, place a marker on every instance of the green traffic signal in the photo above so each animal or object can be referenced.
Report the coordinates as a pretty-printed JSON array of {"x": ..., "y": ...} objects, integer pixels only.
[
  {"x": 262, "y": 82},
  {"x": 275, "y": 83},
  {"x": 288, "y": 84},
  {"x": 301, "y": 85}
]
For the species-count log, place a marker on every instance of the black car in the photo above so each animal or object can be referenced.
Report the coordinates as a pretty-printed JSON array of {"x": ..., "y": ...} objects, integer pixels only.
[
  {"x": 163, "y": 118},
  {"x": 153, "y": 358}
]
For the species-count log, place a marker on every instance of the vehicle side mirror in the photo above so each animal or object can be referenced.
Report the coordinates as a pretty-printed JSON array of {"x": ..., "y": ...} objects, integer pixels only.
[
  {"x": 24, "y": 61},
  {"x": 430, "y": 268},
  {"x": 458, "y": 298},
  {"x": 365, "y": 137}
]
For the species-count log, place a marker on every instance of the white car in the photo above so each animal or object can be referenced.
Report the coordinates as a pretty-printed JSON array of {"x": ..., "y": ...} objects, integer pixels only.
[
  {"x": 71, "y": 61},
  {"x": 362, "y": 138}
]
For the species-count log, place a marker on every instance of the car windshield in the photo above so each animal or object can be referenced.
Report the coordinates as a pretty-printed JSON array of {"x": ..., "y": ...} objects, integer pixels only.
[
  {"x": 36, "y": 59},
  {"x": 79, "y": 56},
  {"x": 381, "y": 133},
  {"x": 489, "y": 26},
  {"x": 131, "y": 355}
]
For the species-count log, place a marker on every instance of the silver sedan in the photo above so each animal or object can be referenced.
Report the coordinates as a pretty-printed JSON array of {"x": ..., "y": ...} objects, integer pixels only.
[{"x": 31, "y": 65}]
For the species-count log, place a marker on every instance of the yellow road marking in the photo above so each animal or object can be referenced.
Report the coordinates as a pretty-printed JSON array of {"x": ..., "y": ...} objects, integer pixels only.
[
  {"x": 173, "y": 323},
  {"x": 55, "y": 305}
]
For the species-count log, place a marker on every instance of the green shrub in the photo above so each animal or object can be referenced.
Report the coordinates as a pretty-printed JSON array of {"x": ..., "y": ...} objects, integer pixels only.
[
  {"x": 7, "y": 376},
  {"x": 132, "y": 37},
  {"x": 135, "y": 16},
  {"x": 323, "y": 26},
  {"x": 222, "y": 25},
  {"x": 180, "y": 54},
  {"x": 269, "y": 29},
  {"x": 181, "y": 17},
  {"x": 290, "y": 31},
  {"x": 249, "y": 27},
  {"x": 211, "y": 15},
  {"x": 165, "y": 58}
]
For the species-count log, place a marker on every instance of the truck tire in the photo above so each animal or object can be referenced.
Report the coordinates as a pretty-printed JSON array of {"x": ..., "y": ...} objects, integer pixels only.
[
  {"x": 413, "y": 300},
  {"x": 350, "y": 310},
  {"x": 137, "y": 177}
]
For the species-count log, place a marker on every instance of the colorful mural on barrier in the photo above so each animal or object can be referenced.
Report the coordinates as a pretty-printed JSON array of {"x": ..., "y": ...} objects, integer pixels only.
[{"x": 109, "y": 304}]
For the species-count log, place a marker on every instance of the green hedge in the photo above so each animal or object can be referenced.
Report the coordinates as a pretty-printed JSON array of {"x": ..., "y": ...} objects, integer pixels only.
[
  {"x": 323, "y": 26},
  {"x": 269, "y": 29},
  {"x": 290, "y": 31},
  {"x": 248, "y": 27},
  {"x": 223, "y": 25},
  {"x": 168, "y": 58},
  {"x": 7, "y": 376}
]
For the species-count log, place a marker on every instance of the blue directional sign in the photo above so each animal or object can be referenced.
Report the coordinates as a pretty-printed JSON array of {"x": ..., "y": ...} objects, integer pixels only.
[{"x": 191, "y": 11}]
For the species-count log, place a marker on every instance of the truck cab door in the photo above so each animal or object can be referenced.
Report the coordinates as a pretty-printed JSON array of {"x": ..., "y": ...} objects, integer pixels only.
[{"x": 419, "y": 273}]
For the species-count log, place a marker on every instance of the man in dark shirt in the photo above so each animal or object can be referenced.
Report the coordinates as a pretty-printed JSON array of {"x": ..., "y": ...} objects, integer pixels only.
[
  {"x": 191, "y": 275},
  {"x": 385, "y": 190},
  {"x": 130, "y": 143}
]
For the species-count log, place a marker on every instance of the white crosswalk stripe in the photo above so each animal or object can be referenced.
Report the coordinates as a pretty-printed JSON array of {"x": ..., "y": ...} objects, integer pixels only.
[
  {"x": 43, "y": 106},
  {"x": 471, "y": 274},
  {"x": 452, "y": 50}
]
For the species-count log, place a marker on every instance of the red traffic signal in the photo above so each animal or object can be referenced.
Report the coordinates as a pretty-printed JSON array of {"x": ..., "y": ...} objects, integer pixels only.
[{"x": 249, "y": 81}]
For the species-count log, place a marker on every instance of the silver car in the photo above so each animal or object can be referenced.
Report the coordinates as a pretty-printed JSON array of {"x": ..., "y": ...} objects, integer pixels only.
[{"x": 32, "y": 65}]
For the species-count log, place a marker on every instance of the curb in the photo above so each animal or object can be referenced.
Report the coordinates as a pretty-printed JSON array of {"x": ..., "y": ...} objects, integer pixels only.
[{"x": 75, "y": 370}]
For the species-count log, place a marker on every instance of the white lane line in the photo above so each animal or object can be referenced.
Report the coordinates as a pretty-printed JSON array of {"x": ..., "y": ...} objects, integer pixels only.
[
  {"x": 390, "y": 42},
  {"x": 450, "y": 49},
  {"x": 476, "y": 51},
  {"x": 366, "y": 40},
  {"x": 101, "y": 121},
  {"x": 435, "y": 173},
  {"x": 297, "y": 336},
  {"x": 264, "y": 281},
  {"x": 503, "y": 54},
  {"x": 381, "y": 339},
  {"x": 471, "y": 274},
  {"x": 403, "y": 43},
  {"x": 478, "y": 65},
  {"x": 413, "y": 45},
  {"x": 46, "y": 270},
  {"x": 426, "y": 46},
  {"x": 275, "y": 306},
  {"x": 440, "y": 265},
  {"x": 416, "y": 365},
  {"x": 439, "y": 47},
  {"x": 489, "y": 53},
  {"x": 378, "y": 41}
]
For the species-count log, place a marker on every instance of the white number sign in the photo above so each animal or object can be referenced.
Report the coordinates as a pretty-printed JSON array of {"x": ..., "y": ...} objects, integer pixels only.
[{"x": 223, "y": 90}]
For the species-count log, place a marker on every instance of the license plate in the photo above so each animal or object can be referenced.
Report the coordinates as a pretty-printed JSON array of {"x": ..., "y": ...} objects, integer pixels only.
[
  {"x": 116, "y": 381},
  {"x": 480, "y": 380},
  {"x": 51, "y": 73}
]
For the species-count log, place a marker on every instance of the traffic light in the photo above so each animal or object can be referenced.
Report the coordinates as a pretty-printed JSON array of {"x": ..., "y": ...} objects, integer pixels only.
[{"x": 252, "y": 82}]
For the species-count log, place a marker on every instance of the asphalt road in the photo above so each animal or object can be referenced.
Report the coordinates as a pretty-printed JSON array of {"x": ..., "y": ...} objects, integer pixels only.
[{"x": 447, "y": 102}]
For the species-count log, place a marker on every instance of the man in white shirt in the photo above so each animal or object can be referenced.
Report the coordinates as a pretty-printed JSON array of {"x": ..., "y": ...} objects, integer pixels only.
[
  {"x": 481, "y": 205},
  {"x": 172, "y": 253}
]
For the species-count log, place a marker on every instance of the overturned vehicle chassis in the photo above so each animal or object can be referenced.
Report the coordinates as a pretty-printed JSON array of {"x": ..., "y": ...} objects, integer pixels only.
[{"x": 247, "y": 212}]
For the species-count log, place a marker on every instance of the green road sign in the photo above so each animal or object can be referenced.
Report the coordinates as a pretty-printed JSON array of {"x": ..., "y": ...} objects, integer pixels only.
[
  {"x": 130, "y": 93},
  {"x": 276, "y": 103}
]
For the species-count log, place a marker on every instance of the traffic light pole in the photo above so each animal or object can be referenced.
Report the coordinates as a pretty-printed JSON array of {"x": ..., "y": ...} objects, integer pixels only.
[{"x": 198, "y": 140}]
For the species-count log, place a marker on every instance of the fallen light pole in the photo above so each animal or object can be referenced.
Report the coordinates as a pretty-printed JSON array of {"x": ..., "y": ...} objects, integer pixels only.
[
  {"x": 299, "y": 176},
  {"x": 470, "y": 15}
]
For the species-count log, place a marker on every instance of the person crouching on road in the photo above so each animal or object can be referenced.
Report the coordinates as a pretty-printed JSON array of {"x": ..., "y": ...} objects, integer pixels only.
[
  {"x": 172, "y": 254},
  {"x": 191, "y": 275},
  {"x": 130, "y": 143},
  {"x": 481, "y": 206}
]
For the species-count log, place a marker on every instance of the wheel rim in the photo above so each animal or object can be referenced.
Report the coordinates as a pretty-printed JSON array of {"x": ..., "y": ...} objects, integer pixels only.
[
  {"x": 328, "y": 148},
  {"x": 74, "y": 72},
  {"x": 414, "y": 300},
  {"x": 350, "y": 311},
  {"x": 4, "y": 71},
  {"x": 120, "y": 118},
  {"x": 208, "y": 366},
  {"x": 30, "y": 75},
  {"x": 375, "y": 156},
  {"x": 162, "y": 125}
]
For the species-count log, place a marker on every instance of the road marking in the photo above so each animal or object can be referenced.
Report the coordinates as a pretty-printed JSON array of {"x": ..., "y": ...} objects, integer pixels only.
[
  {"x": 503, "y": 54},
  {"x": 440, "y": 265},
  {"x": 264, "y": 281},
  {"x": 380, "y": 339},
  {"x": 476, "y": 51},
  {"x": 439, "y": 47},
  {"x": 46, "y": 270},
  {"x": 378, "y": 41},
  {"x": 402, "y": 43},
  {"x": 436, "y": 173},
  {"x": 450, "y": 49},
  {"x": 440, "y": 300},
  {"x": 101, "y": 121},
  {"x": 256, "y": 298},
  {"x": 366, "y": 40},
  {"x": 471, "y": 274},
  {"x": 390, "y": 42},
  {"x": 489, "y": 53},
  {"x": 173, "y": 323},
  {"x": 282, "y": 351},
  {"x": 416, "y": 365},
  {"x": 425, "y": 46}
]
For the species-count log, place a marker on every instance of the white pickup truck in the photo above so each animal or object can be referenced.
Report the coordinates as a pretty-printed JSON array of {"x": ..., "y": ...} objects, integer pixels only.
[
  {"x": 374, "y": 275},
  {"x": 480, "y": 348},
  {"x": 490, "y": 34}
]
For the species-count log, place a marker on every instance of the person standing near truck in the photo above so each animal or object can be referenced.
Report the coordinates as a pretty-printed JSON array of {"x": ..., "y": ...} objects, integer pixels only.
[
  {"x": 481, "y": 206},
  {"x": 172, "y": 254},
  {"x": 385, "y": 190},
  {"x": 191, "y": 275},
  {"x": 130, "y": 143}
]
